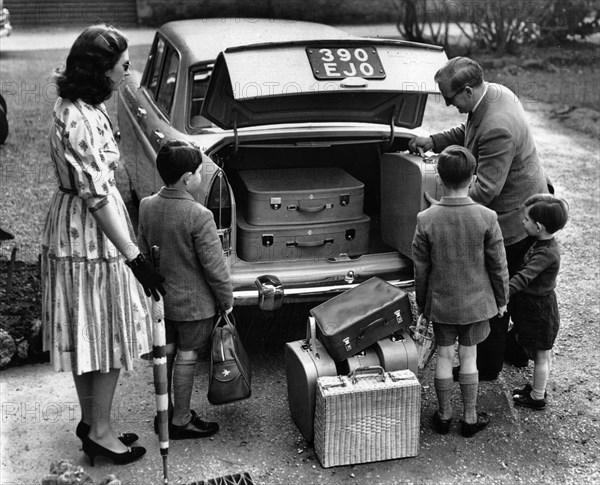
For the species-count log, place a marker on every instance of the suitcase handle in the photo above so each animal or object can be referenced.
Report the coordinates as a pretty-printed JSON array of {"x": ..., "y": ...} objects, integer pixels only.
[
  {"x": 310, "y": 244},
  {"x": 371, "y": 325},
  {"x": 367, "y": 371},
  {"x": 311, "y": 336},
  {"x": 310, "y": 208}
]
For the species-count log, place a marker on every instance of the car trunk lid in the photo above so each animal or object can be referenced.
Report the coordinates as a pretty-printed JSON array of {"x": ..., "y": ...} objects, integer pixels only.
[{"x": 349, "y": 80}]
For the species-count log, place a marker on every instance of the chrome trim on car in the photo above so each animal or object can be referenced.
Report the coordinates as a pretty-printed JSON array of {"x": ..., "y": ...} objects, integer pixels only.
[{"x": 250, "y": 297}]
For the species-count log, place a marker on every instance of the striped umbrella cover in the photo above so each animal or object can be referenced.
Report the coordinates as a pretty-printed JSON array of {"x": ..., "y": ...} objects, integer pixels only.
[{"x": 159, "y": 360}]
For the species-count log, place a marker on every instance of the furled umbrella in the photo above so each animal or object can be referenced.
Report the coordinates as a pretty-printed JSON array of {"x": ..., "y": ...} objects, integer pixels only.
[{"x": 159, "y": 360}]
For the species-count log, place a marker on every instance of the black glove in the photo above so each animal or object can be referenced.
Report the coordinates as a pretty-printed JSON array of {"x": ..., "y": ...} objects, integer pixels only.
[{"x": 150, "y": 279}]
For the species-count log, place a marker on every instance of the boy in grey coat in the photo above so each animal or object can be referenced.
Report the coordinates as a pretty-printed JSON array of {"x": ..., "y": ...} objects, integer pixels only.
[
  {"x": 461, "y": 281},
  {"x": 197, "y": 278}
]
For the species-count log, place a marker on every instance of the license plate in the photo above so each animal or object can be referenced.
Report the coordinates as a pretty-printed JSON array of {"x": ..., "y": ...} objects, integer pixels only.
[{"x": 342, "y": 62}]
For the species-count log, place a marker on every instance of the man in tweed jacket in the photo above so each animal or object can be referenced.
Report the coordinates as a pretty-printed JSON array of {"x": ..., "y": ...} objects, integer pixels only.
[
  {"x": 508, "y": 172},
  {"x": 461, "y": 281},
  {"x": 196, "y": 277}
]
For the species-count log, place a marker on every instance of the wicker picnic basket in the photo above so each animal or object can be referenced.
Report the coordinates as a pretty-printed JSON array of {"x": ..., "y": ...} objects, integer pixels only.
[{"x": 369, "y": 415}]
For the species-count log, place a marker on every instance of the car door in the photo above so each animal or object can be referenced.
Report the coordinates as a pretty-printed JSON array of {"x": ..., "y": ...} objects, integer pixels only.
[{"x": 155, "y": 110}]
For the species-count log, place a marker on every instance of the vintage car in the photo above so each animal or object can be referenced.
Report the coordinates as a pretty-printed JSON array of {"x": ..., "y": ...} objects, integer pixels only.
[{"x": 304, "y": 130}]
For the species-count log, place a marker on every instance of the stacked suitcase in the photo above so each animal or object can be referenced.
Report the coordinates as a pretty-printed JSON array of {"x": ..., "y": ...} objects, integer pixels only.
[
  {"x": 300, "y": 213},
  {"x": 362, "y": 333}
]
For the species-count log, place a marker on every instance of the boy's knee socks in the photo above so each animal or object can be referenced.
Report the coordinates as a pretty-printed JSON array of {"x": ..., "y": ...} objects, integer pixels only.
[
  {"x": 443, "y": 389},
  {"x": 540, "y": 379},
  {"x": 469, "y": 385},
  {"x": 183, "y": 382}
]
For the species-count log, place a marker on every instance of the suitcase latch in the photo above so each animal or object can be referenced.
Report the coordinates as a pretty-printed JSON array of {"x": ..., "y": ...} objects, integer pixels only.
[
  {"x": 267, "y": 240},
  {"x": 350, "y": 234},
  {"x": 344, "y": 199},
  {"x": 275, "y": 203},
  {"x": 398, "y": 316},
  {"x": 347, "y": 344}
]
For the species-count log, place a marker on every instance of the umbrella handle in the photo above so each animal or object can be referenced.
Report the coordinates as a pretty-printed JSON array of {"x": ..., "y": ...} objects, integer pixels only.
[{"x": 155, "y": 256}]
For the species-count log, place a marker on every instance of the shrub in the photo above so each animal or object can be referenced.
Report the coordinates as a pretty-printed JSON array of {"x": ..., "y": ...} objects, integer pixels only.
[{"x": 564, "y": 19}]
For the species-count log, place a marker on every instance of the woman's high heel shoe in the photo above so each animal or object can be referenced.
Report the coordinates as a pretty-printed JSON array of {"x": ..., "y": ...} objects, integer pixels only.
[
  {"x": 93, "y": 449},
  {"x": 83, "y": 430}
]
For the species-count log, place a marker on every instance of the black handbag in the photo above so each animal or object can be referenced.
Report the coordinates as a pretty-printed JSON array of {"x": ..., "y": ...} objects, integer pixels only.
[{"x": 230, "y": 371}]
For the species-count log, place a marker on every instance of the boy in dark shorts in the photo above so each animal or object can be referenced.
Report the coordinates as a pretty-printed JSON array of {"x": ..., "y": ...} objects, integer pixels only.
[
  {"x": 533, "y": 299},
  {"x": 461, "y": 281},
  {"x": 197, "y": 279}
]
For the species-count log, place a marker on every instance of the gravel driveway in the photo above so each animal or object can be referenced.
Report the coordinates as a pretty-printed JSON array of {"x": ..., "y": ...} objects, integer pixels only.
[{"x": 559, "y": 445}]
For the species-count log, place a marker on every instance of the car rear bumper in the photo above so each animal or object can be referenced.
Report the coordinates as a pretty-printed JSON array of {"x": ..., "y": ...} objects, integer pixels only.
[{"x": 305, "y": 282}]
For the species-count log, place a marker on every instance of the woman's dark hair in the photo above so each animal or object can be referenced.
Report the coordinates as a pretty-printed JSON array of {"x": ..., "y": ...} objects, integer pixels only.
[
  {"x": 456, "y": 166},
  {"x": 95, "y": 51},
  {"x": 176, "y": 158},
  {"x": 548, "y": 210}
]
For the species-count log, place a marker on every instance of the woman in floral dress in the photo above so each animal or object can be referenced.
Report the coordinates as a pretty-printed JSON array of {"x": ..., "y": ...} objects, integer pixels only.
[{"x": 95, "y": 315}]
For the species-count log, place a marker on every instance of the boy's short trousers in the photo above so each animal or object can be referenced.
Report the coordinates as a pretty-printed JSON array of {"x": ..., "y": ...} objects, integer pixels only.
[
  {"x": 469, "y": 334},
  {"x": 536, "y": 320},
  {"x": 190, "y": 335}
]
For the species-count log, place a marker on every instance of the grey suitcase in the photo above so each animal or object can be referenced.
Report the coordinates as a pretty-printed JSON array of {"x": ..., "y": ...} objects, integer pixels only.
[
  {"x": 301, "y": 241},
  {"x": 300, "y": 195},
  {"x": 305, "y": 361},
  {"x": 404, "y": 180}
]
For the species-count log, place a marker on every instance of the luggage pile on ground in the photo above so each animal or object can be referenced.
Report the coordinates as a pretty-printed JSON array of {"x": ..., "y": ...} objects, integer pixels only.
[{"x": 352, "y": 385}]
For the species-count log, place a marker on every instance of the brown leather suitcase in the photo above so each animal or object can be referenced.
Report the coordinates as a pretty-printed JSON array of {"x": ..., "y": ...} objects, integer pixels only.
[
  {"x": 399, "y": 208},
  {"x": 365, "y": 358},
  {"x": 307, "y": 195},
  {"x": 305, "y": 361},
  {"x": 356, "y": 319},
  {"x": 396, "y": 352},
  {"x": 301, "y": 241}
]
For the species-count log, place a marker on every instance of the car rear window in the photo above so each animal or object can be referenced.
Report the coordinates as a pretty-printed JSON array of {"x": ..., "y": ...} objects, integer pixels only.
[{"x": 200, "y": 78}]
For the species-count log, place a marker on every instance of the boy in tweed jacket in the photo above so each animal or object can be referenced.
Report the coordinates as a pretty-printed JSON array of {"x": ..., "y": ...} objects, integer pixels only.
[
  {"x": 461, "y": 281},
  {"x": 191, "y": 259}
]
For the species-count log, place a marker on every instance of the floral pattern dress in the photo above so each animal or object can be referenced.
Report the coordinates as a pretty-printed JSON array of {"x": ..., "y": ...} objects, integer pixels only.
[{"x": 95, "y": 314}]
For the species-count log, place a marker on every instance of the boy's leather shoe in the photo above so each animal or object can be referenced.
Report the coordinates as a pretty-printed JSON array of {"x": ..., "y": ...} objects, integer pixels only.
[
  {"x": 525, "y": 390},
  {"x": 469, "y": 430},
  {"x": 527, "y": 401},
  {"x": 442, "y": 426},
  {"x": 196, "y": 428}
]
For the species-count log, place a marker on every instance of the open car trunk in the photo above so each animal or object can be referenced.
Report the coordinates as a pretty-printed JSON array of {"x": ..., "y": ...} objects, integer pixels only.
[{"x": 388, "y": 210}]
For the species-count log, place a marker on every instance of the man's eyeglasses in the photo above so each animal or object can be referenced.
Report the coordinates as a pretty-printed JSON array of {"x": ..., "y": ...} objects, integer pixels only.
[
  {"x": 126, "y": 66},
  {"x": 449, "y": 99}
]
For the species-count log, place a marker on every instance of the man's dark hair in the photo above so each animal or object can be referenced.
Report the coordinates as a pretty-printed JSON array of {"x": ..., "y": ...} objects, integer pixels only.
[
  {"x": 95, "y": 51},
  {"x": 460, "y": 72},
  {"x": 176, "y": 158},
  {"x": 456, "y": 166},
  {"x": 548, "y": 210}
]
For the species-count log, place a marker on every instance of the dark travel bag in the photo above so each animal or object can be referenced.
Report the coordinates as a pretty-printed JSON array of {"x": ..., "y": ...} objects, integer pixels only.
[{"x": 356, "y": 319}]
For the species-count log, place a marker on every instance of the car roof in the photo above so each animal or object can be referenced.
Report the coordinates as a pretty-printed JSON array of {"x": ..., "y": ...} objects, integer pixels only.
[{"x": 203, "y": 39}]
